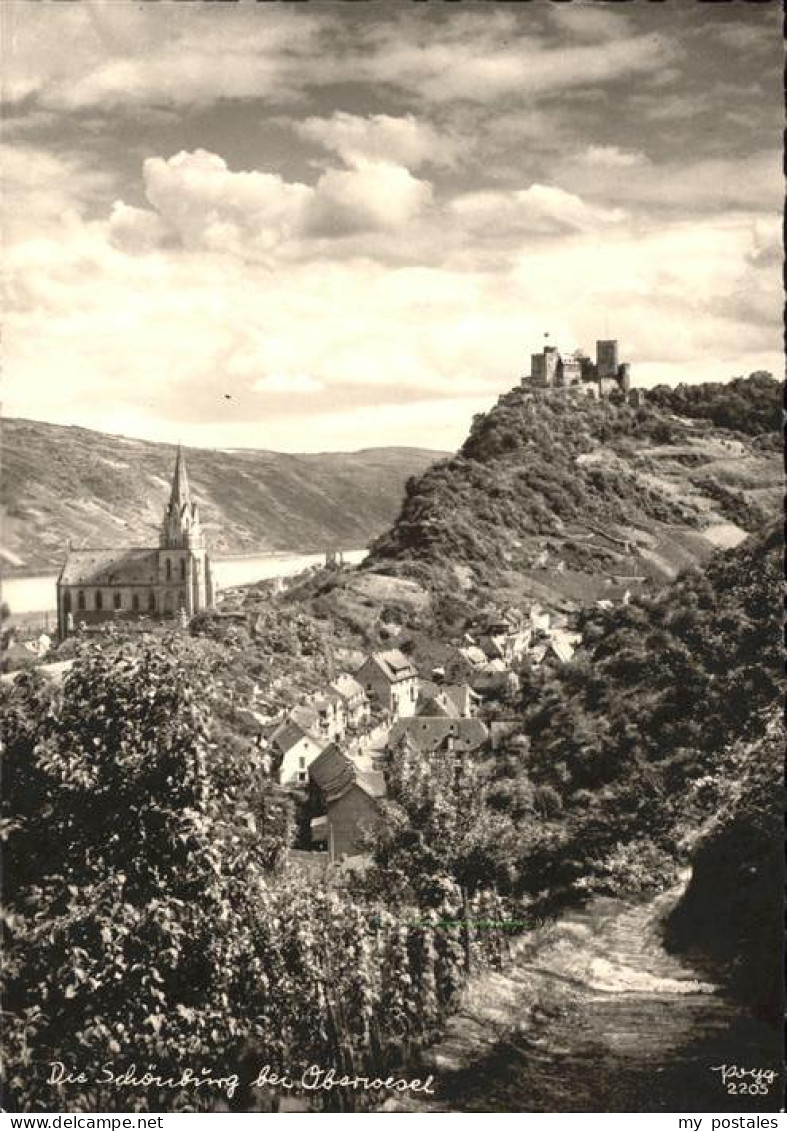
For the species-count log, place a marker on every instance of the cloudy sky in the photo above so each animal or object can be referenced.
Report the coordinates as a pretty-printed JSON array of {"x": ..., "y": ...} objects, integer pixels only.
[{"x": 332, "y": 225}]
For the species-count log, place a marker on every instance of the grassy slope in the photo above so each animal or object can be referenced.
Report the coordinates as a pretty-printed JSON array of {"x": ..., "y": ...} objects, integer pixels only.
[{"x": 100, "y": 490}]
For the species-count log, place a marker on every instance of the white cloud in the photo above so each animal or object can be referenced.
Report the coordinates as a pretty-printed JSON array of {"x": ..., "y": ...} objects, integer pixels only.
[
  {"x": 104, "y": 54},
  {"x": 699, "y": 187},
  {"x": 375, "y": 195},
  {"x": 41, "y": 189},
  {"x": 208, "y": 206},
  {"x": 540, "y": 208},
  {"x": 482, "y": 58},
  {"x": 136, "y": 229},
  {"x": 405, "y": 141},
  {"x": 225, "y": 346},
  {"x": 203, "y": 205}
]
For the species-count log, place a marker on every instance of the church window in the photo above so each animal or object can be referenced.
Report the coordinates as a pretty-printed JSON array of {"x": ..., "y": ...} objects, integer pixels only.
[
  {"x": 152, "y": 602},
  {"x": 135, "y": 602},
  {"x": 81, "y": 600},
  {"x": 66, "y": 602},
  {"x": 99, "y": 600},
  {"x": 182, "y": 569},
  {"x": 169, "y": 570},
  {"x": 117, "y": 600},
  {"x": 182, "y": 599}
]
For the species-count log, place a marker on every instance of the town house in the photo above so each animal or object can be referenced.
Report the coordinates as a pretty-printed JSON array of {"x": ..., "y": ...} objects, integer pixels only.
[{"x": 391, "y": 682}]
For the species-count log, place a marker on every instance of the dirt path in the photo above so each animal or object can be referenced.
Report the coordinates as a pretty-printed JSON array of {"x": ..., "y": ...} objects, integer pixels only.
[{"x": 594, "y": 1015}]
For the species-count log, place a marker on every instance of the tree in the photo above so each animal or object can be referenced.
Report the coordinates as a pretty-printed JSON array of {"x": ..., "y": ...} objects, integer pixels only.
[
  {"x": 146, "y": 926},
  {"x": 133, "y": 867},
  {"x": 439, "y": 829}
]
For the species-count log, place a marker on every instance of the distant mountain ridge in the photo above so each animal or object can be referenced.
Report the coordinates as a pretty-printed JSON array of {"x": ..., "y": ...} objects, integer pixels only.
[{"x": 60, "y": 483}]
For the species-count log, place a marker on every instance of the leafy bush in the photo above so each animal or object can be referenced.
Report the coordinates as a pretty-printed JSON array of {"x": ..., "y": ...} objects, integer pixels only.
[
  {"x": 131, "y": 861},
  {"x": 732, "y": 909},
  {"x": 746, "y": 404}
]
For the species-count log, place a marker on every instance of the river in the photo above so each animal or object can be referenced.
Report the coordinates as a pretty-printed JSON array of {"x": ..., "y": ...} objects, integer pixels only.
[
  {"x": 35, "y": 593},
  {"x": 593, "y": 1015}
]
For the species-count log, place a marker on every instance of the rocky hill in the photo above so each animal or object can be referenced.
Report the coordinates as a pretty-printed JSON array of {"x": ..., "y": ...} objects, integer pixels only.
[
  {"x": 60, "y": 483},
  {"x": 567, "y": 499}
]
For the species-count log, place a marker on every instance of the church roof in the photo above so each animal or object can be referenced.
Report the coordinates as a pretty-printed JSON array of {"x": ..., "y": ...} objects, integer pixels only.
[{"x": 111, "y": 567}]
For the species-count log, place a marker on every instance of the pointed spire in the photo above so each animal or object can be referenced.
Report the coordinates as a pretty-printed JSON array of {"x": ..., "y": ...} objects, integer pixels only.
[
  {"x": 181, "y": 526},
  {"x": 181, "y": 493}
]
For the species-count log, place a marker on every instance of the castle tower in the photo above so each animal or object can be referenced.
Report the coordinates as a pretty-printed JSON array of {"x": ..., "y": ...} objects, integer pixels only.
[
  {"x": 607, "y": 358},
  {"x": 184, "y": 566}
]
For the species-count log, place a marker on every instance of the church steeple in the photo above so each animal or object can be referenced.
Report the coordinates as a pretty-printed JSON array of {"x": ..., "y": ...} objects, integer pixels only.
[
  {"x": 181, "y": 527},
  {"x": 180, "y": 493}
]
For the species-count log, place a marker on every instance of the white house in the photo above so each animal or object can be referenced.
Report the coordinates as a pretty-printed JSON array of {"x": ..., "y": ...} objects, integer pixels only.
[
  {"x": 391, "y": 681},
  {"x": 356, "y": 702},
  {"x": 297, "y": 749}
]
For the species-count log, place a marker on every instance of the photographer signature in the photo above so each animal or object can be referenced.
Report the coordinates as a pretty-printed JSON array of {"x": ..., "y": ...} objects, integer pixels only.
[{"x": 745, "y": 1081}]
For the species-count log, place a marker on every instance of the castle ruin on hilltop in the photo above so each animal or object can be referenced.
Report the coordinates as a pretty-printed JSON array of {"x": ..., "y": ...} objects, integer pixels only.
[{"x": 551, "y": 369}]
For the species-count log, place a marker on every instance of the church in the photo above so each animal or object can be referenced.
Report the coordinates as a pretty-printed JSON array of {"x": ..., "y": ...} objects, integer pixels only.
[{"x": 96, "y": 586}]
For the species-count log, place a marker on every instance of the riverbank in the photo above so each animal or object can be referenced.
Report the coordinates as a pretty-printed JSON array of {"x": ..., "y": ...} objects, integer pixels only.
[
  {"x": 593, "y": 1015},
  {"x": 35, "y": 593}
]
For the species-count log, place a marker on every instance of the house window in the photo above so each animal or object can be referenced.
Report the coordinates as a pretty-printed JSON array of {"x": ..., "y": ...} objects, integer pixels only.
[
  {"x": 302, "y": 777},
  {"x": 169, "y": 570},
  {"x": 152, "y": 602},
  {"x": 99, "y": 600},
  {"x": 135, "y": 602},
  {"x": 81, "y": 600},
  {"x": 182, "y": 569},
  {"x": 117, "y": 601}
]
